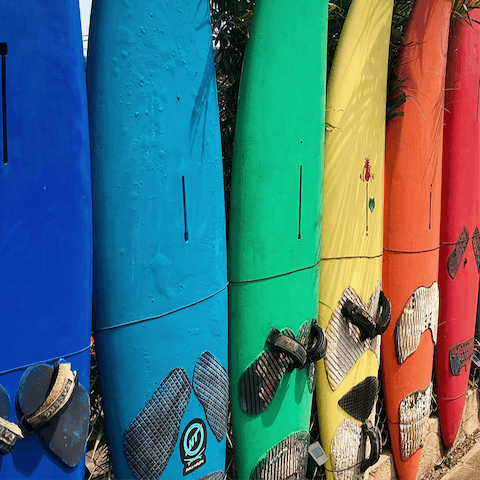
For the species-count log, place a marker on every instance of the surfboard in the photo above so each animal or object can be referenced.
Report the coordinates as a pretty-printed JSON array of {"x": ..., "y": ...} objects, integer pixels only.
[
  {"x": 352, "y": 307},
  {"x": 412, "y": 230},
  {"x": 274, "y": 237},
  {"x": 46, "y": 245},
  {"x": 160, "y": 283},
  {"x": 459, "y": 260}
]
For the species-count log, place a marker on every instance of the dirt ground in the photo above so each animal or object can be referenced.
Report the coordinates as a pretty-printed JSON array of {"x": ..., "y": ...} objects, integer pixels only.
[{"x": 453, "y": 456}]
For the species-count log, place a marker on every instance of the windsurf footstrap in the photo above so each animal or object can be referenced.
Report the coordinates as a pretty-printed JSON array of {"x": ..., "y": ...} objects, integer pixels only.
[
  {"x": 62, "y": 385},
  {"x": 353, "y": 438},
  {"x": 51, "y": 403},
  {"x": 354, "y": 327},
  {"x": 355, "y": 448},
  {"x": 283, "y": 353},
  {"x": 368, "y": 326},
  {"x": 9, "y": 432}
]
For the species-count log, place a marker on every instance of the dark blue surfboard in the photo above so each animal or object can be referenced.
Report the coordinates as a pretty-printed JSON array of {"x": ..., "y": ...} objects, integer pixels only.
[
  {"x": 45, "y": 230},
  {"x": 160, "y": 296}
]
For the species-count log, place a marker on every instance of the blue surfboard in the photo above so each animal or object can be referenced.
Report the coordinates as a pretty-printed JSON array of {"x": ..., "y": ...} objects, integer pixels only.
[
  {"x": 160, "y": 284},
  {"x": 45, "y": 240}
]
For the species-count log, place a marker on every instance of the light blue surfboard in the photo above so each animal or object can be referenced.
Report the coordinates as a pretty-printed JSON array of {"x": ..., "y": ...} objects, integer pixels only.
[
  {"x": 45, "y": 232},
  {"x": 160, "y": 296}
]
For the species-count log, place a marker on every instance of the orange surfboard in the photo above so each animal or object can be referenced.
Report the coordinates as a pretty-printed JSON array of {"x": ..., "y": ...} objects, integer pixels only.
[
  {"x": 413, "y": 174},
  {"x": 459, "y": 234}
]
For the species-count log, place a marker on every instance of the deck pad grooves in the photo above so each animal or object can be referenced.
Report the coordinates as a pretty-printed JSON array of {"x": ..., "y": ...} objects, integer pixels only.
[{"x": 419, "y": 314}]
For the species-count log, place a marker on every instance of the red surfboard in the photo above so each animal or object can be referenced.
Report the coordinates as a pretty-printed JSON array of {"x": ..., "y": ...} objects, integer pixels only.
[
  {"x": 459, "y": 234},
  {"x": 413, "y": 172}
]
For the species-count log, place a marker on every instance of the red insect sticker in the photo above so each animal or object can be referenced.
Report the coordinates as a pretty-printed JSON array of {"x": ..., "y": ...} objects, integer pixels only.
[{"x": 365, "y": 177}]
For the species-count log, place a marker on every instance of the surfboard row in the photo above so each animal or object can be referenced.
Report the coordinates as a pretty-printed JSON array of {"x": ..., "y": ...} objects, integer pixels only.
[{"x": 344, "y": 248}]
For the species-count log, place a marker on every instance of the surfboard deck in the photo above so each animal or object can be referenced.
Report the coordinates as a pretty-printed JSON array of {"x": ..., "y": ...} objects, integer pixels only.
[
  {"x": 412, "y": 231},
  {"x": 459, "y": 234},
  {"x": 352, "y": 234},
  {"x": 160, "y": 297},
  {"x": 45, "y": 226},
  {"x": 274, "y": 232}
]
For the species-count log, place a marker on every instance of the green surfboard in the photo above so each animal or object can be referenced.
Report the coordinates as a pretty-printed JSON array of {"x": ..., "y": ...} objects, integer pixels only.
[{"x": 274, "y": 238}]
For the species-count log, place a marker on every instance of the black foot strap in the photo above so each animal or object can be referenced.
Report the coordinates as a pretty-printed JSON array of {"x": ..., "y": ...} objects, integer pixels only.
[
  {"x": 283, "y": 352},
  {"x": 373, "y": 435},
  {"x": 369, "y": 328}
]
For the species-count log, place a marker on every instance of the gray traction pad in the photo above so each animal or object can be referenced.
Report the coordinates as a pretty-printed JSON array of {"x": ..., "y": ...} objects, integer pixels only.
[
  {"x": 218, "y": 475},
  {"x": 150, "y": 439},
  {"x": 287, "y": 459},
  {"x": 211, "y": 386}
]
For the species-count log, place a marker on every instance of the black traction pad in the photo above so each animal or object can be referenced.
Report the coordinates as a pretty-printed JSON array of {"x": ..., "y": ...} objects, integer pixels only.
[
  {"x": 211, "y": 386},
  {"x": 65, "y": 435},
  {"x": 476, "y": 247},
  {"x": 218, "y": 475},
  {"x": 286, "y": 460},
  {"x": 455, "y": 258},
  {"x": 359, "y": 401},
  {"x": 150, "y": 439},
  {"x": 259, "y": 382}
]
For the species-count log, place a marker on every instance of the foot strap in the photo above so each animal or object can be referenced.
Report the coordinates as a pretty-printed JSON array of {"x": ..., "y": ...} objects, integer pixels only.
[
  {"x": 9, "y": 434},
  {"x": 369, "y": 328},
  {"x": 61, "y": 390},
  {"x": 297, "y": 353},
  {"x": 283, "y": 353},
  {"x": 373, "y": 435}
]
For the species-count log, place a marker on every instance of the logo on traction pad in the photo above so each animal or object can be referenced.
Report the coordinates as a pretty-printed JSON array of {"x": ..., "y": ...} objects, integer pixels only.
[{"x": 193, "y": 445}]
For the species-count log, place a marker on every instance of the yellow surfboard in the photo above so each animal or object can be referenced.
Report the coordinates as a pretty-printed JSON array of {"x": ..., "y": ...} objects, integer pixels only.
[{"x": 353, "y": 310}]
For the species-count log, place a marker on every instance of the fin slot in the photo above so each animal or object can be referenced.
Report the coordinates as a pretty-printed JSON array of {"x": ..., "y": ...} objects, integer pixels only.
[
  {"x": 300, "y": 207},
  {"x": 185, "y": 235}
]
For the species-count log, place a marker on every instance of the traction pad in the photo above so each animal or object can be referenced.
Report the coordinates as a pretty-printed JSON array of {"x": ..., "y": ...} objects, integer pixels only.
[
  {"x": 455, "y": 258},
  {"x": 346, "y": 451},
  {"x": 218, "y": 475},
  {"x": 285, "y": 461},
  {"x": 459, "y": 356},
  {"x": 150, "y": 439},
  {"x": 413, "y": 413},
  {"x": 360, "y": 400},
  {"x": 211, "y": 386},
  {"x": 260, "y": 380},
  {"x": 419, "y": 313},
  {"x": 344, "y": 346},
  {"x": 65, "y": 434},
  {"x": 476, "y": 247}
]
